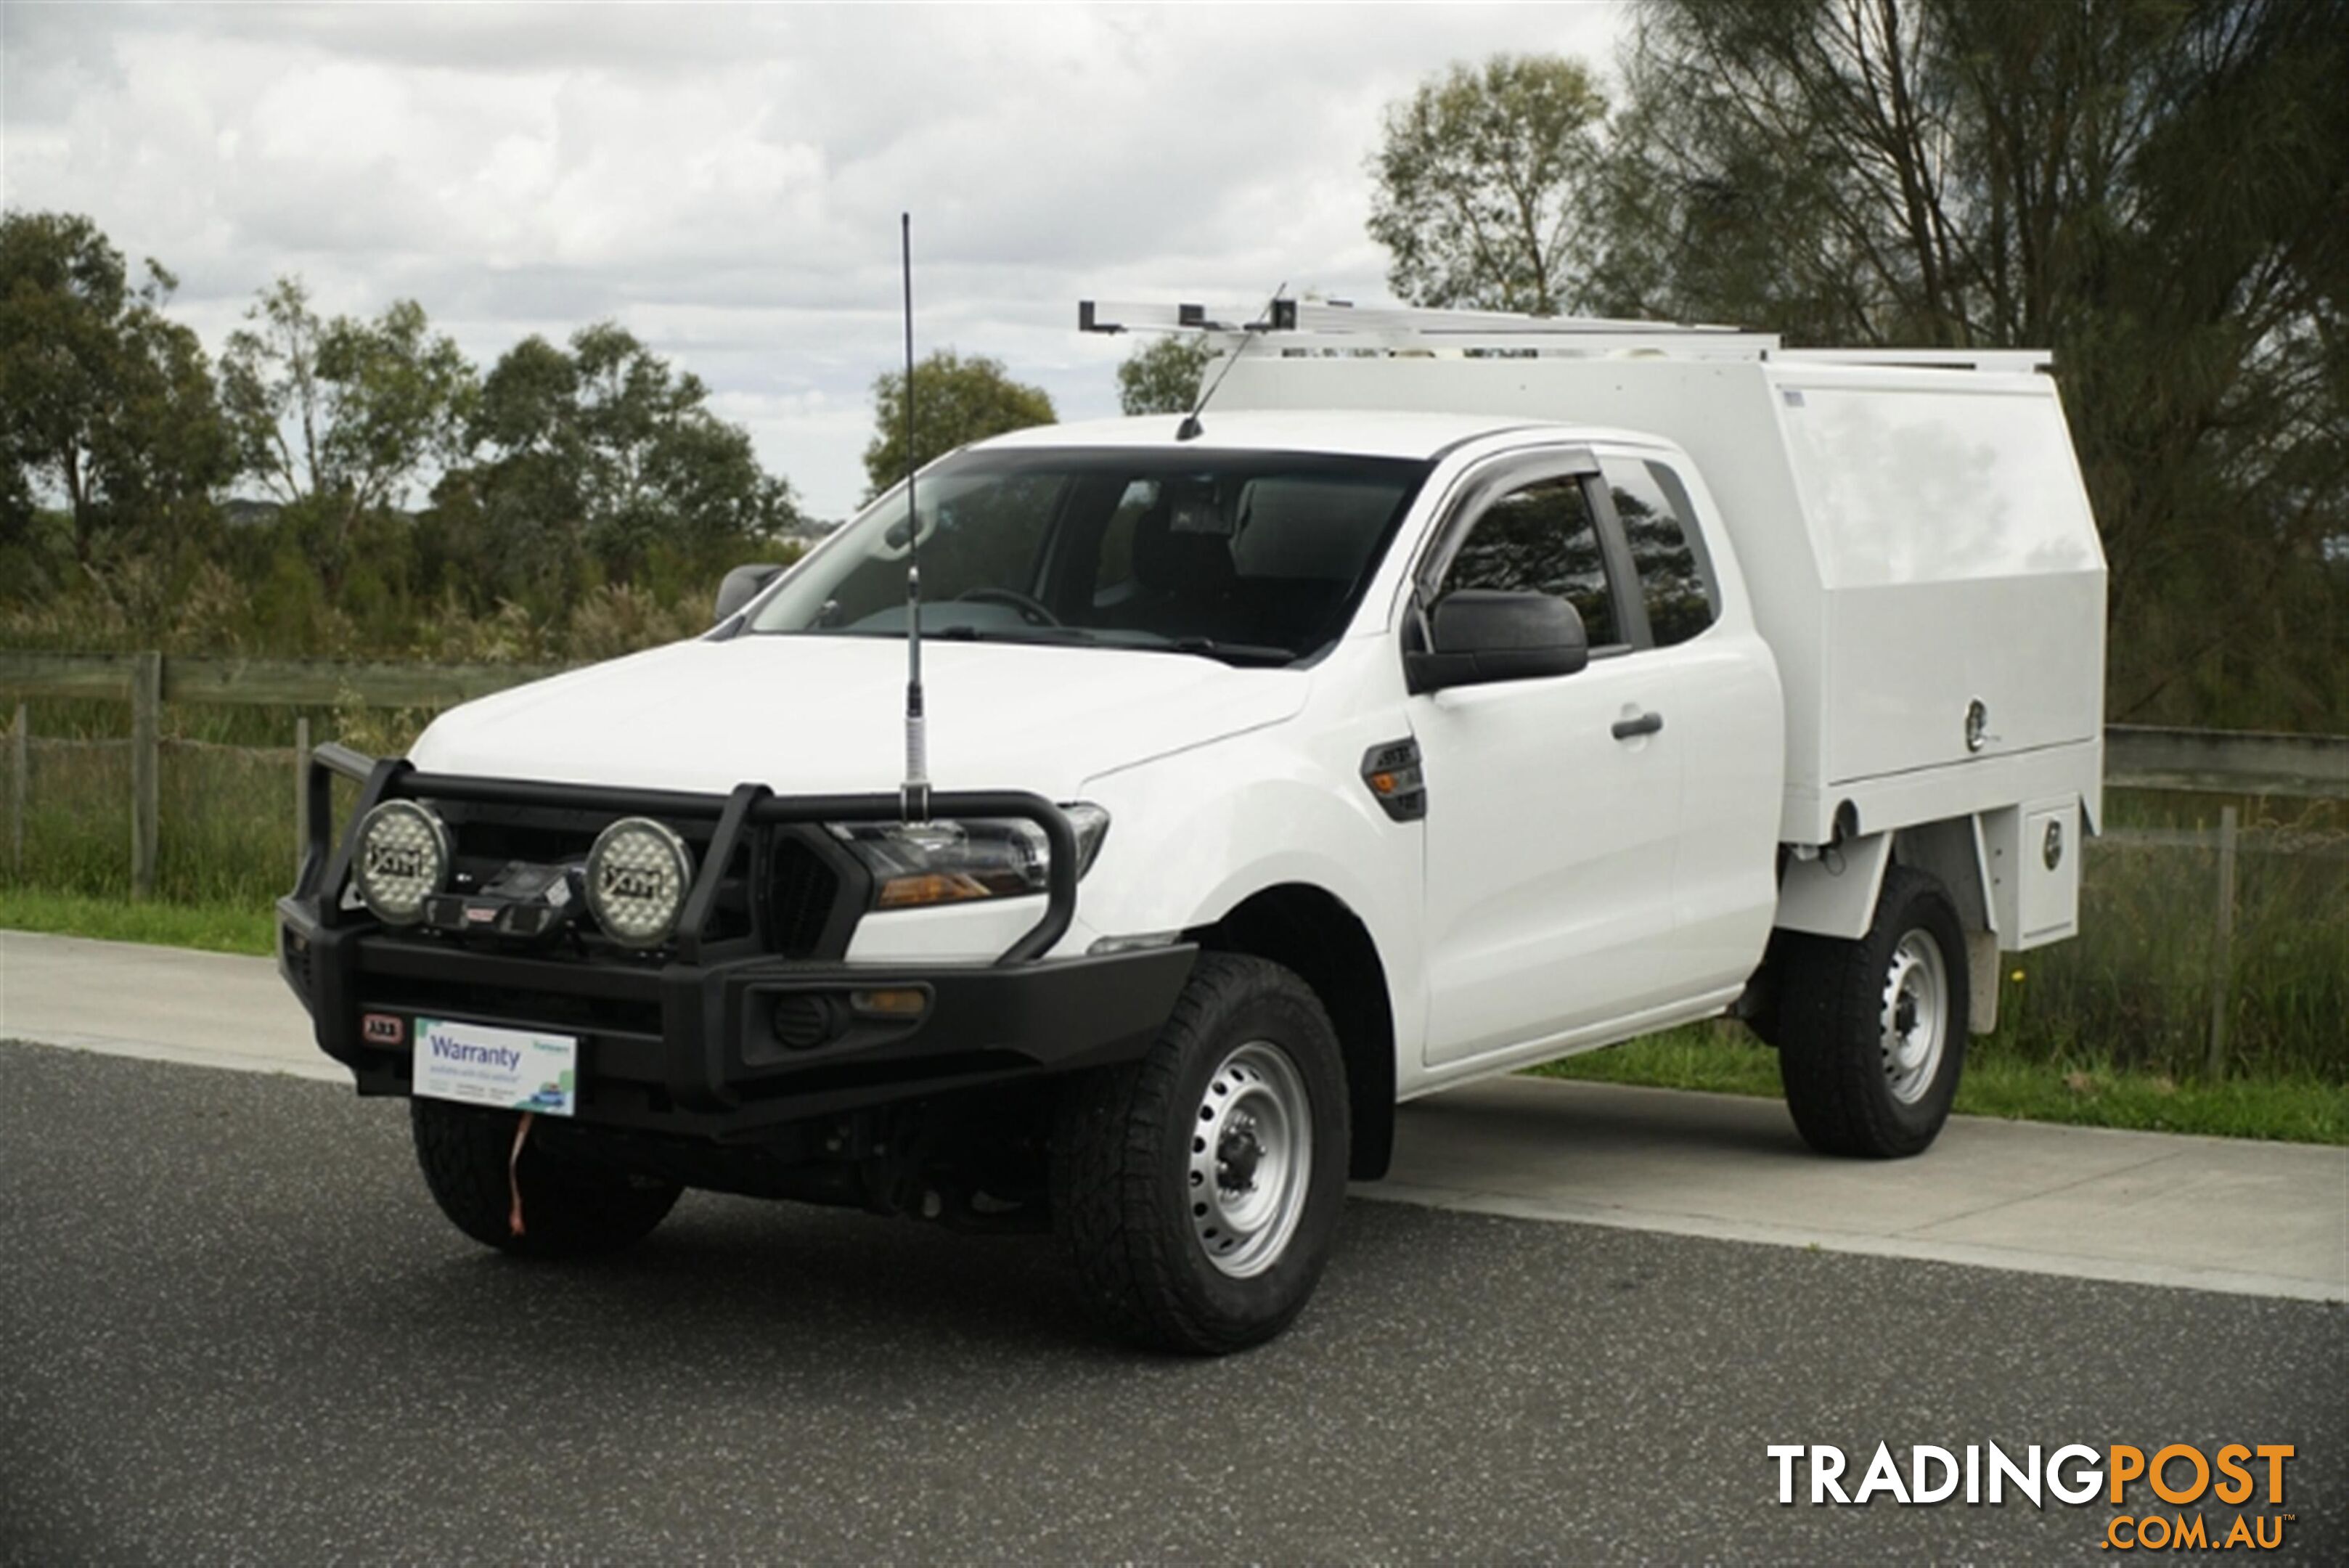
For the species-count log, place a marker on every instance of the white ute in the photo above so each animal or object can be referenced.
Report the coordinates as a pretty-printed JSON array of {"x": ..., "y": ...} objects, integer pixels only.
[{"x": 1458, "y": 693}]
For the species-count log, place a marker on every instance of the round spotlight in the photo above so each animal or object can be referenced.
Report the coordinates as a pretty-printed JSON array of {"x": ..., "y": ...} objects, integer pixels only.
[
  {"x": 403, "y": 859},
  {"x": 638, "y": 877}
]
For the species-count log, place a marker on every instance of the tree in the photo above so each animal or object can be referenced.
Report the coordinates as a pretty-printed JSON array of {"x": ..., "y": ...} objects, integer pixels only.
[
  {"x": 1480, "y": 178},
  {"x": 338, "y": 417},
  {"x": 956, "y": 400},
  {"x": 604, "y": 457},
  {"x": 103, "y": 400},
  {"x": 2152, "y": 190},
  {"x": 1163, "y": 377},
  {"x": 19, "y": 512}
]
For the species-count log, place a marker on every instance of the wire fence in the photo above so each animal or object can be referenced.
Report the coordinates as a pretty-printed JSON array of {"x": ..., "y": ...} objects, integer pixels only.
[
  {"x": 2197, "y": 955},
  {"x": 227, "y": 819}
]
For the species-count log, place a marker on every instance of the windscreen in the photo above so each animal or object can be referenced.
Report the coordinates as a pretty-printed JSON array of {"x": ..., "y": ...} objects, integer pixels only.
[{"x": 1256, "y": 558}]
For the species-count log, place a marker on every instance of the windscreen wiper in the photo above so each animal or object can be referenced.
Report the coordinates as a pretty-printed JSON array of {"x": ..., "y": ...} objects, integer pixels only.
[
  {"x": 1037, "y": 634},
  {"x": 1229, "y": 652}
]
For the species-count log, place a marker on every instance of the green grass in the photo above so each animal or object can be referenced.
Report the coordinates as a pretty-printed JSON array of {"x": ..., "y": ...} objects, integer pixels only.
[
  {"x": 1724, "y": 1058},
  {"x": 217, "y": 928}
]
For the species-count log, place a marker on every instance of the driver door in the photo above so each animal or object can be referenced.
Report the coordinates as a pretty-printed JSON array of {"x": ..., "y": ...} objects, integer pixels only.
[{"x": 1554, "y": 802}]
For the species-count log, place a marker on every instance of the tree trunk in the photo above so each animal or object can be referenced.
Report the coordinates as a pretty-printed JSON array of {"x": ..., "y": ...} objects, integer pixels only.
[{"x": 77, "y": 499}]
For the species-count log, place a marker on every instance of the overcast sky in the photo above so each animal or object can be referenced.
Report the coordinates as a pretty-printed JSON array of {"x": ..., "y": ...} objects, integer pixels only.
[{"x": 725, "y": 180}]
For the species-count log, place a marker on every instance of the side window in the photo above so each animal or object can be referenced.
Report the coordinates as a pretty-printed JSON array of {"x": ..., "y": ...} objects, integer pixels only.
[
  {"x": 1667, "y": 548},
  {"x": 1542, "y": 537}
]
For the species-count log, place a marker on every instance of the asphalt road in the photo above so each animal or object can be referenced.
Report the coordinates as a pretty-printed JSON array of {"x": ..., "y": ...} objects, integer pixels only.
[{"x": 231, "y": 1325}]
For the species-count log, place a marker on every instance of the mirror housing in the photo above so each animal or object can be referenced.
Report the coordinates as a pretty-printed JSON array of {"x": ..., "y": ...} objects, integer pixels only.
[
  {"x": 1483, "y": 634},
  {"x": 741, "y": 586}
]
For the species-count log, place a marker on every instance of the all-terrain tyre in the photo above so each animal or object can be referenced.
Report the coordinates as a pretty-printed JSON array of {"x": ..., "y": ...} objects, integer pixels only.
[
  {"x": 1197, "y": 1190},
  {"x": 1871, "y": 1033},
  {"x": 570, "y": 1208}
]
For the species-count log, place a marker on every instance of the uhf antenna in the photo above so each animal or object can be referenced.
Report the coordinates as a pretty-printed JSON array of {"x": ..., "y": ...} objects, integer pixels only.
[
  {"x": 914, "y": 797},
  {"x": 1191, "y": 429}
]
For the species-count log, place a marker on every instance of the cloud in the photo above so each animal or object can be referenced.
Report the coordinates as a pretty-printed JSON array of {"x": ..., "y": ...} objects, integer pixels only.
[{"x": 726, "y": 180}]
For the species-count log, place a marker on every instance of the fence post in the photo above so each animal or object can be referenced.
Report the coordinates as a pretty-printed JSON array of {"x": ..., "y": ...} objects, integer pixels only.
[
  {"x": 2222, "y": 978},
  {"x": 301, "y": 790},
  {"x": 20, "y": 784},
  {"x": 146, "y": 768}
]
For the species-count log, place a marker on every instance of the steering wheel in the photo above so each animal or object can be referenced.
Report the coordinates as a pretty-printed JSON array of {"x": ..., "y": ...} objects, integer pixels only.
[{"x": 1032, "y": 611}]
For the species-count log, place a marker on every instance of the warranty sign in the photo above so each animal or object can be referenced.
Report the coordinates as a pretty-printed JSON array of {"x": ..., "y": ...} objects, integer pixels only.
[{"x": 510, "y": 1069}]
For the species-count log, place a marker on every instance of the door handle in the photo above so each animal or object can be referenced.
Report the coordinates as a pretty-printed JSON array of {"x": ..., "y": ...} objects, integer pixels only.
[{"x": 1645, "y": 724}]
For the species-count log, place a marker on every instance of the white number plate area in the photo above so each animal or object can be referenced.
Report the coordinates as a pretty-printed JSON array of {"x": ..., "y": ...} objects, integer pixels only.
[{"x": 510, "y": 1069}]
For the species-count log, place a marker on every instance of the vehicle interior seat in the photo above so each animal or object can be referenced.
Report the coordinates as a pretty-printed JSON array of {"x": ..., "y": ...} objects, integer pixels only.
[{"x": 1188, "y": 583}]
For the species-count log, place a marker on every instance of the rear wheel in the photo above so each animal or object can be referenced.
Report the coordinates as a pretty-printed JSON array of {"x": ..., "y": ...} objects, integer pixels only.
[
  {"x": 1872, "y": 1033},
  {"x": 569, "y": 1208},
  {"x": 1197, "y": 1190}
]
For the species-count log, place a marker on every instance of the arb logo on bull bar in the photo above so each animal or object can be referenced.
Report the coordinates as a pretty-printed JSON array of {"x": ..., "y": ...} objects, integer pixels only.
[
  {"x": 383, "y": 1028},
  {"x": 2179, "y": 1475}
]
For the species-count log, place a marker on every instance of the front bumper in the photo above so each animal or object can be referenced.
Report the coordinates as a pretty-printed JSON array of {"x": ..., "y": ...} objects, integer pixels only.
[{"x": 688, "y": 1044}]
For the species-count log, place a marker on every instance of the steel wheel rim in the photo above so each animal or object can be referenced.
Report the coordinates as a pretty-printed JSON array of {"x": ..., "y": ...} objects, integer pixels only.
[
  {"x": 1915, "y": 1022},
  {"x": 1251, "y": 1159}
]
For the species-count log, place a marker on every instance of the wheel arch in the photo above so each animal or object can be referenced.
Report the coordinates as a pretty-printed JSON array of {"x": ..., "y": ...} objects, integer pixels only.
[
  {"x": 1952, "y": 853},
  {"x": 1313, "y": 933},
  {"x": 1835, "y": 892}
]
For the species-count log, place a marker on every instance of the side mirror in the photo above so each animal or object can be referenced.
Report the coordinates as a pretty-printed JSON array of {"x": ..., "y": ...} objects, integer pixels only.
[
  {"x": 1485, "y": 634},
  {"x": 741, "y": 586}
]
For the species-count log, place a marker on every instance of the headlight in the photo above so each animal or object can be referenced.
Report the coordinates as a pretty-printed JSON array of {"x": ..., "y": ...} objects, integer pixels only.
[
  {"x": 947, "y": 862},
  {"x": 638, "y": 876},
  {"x": 403, "y": 859}
]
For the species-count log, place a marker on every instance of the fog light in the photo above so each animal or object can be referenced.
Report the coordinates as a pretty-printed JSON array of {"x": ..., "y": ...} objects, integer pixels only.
[
  {"x": 403, "y": 859},
  {"x": 803, "y": 1019},
  {"x": 638, "y": 874}
]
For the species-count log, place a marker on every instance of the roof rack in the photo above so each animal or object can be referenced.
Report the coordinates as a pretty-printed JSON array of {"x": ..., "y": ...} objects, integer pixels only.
[{"x": 1311, "y": 328}]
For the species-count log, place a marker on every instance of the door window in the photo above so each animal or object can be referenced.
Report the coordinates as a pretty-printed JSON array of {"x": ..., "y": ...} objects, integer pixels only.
[
  {"x": 1667, "y": 551},
  {"x": 1542, "y": 537}
]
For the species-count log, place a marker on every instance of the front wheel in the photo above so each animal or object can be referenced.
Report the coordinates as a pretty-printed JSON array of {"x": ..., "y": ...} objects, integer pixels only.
[
  {"x": 569, "y": 1208},
  {"x": 1872, "y": 1033},
  {"x": 1197, "y": 1190}
]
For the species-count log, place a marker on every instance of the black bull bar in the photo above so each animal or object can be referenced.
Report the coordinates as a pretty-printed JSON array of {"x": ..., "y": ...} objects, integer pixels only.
[{"x": 708, "y": 1065}]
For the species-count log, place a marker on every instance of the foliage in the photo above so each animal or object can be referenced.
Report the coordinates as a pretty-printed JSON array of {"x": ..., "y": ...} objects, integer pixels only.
[
  {"x": 601, "y": 461},
  {"x": 1163, "y": 377},
  {"x": 338, "y": 418},
  {"x": 587, "y": 499},
  {"x": 2152, "y": 187},
  {"x": 956, "y": 400},
  {"x": 1480, "y": 181},
  {"x": 102, "y": 398}
]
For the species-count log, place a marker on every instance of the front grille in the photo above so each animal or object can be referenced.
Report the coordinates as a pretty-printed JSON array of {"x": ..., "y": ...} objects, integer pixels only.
[
  {"x": 492, "y": 835},
  {"x": 808, "y": 879},
  {"x": 804, "y": 891}
]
